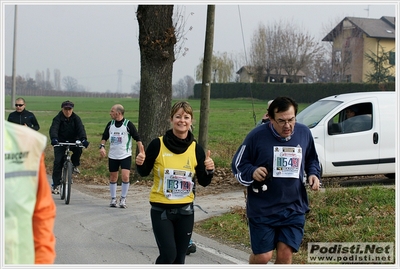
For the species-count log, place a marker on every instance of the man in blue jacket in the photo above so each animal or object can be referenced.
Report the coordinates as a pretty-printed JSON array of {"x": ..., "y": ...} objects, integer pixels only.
[{"x": 271, "y": 162}]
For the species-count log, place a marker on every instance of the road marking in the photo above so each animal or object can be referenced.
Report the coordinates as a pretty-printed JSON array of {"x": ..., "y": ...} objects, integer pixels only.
[{"x": 220, "y": 254}]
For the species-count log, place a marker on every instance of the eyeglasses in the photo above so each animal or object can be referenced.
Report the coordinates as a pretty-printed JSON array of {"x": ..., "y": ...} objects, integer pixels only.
[
  {"x": 283, "y": 122},
  {"x": 19, "y": 105}
]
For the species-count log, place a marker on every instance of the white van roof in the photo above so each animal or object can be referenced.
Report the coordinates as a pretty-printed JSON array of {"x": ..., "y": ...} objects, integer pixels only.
[{"x": 359, "y": 95}]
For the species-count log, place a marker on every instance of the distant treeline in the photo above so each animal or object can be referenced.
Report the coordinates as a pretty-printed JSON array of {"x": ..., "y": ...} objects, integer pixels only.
[{"x": 39, "y": 92}]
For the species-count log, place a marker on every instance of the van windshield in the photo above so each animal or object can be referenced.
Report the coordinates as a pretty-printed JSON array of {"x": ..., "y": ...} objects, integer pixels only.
[{"x": 311, "y": 115}]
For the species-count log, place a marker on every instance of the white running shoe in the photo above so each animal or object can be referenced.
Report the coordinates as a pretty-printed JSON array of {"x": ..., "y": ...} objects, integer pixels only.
[
  {"x": 122, "y": 202},
  {"x": 76, "y": 170},
  {"x": 113, "y": 202}
]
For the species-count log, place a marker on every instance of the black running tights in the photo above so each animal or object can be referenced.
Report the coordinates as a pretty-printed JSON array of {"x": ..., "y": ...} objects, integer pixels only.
[{"x": 172, "y": 236}]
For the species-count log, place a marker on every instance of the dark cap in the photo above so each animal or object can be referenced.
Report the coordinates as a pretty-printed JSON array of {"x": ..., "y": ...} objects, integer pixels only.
[{"x": 67, "y": 104}]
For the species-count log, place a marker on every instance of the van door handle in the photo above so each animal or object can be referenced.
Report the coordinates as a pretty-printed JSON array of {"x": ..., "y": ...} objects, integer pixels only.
[{"x": 375, "y": 139}]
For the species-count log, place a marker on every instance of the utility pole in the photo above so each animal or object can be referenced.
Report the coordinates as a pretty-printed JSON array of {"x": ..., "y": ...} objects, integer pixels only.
[
  {"x": 206, "y": 83},
  {"x": 13, "y": 92},
  {"x": 119, "y": 86}
]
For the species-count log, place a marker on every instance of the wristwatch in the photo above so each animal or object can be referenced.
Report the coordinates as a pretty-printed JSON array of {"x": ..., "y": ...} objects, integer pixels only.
[{"x": 101, "y": 146}]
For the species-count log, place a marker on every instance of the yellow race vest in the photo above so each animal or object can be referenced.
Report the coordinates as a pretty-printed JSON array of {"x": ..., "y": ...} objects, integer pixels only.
[{"x": 174, "y": 176}]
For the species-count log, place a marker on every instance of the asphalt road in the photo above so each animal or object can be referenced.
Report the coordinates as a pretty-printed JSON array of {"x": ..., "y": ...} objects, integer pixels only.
[{"x": 88, "y": 231}]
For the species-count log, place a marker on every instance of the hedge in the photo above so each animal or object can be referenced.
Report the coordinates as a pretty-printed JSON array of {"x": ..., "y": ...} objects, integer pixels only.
[{"x": 301, "y": 92}]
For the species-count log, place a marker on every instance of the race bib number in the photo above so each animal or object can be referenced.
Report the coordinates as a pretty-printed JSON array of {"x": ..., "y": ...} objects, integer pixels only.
[
  {"x": 116, "y": 139},
  {"x": 287, "y": 162},
  {"x": 177, "y": 183}
]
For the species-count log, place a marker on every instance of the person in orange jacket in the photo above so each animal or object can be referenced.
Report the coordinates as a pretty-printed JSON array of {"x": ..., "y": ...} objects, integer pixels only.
[{"x": 29, "y": 222}]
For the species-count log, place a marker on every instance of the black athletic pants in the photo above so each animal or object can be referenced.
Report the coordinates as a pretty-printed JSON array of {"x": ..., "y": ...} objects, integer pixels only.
[{"x": 172, "y": 232}]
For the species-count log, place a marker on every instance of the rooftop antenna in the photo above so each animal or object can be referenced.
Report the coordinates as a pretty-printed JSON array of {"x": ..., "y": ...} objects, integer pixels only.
[{"x": 367, "y": 9}]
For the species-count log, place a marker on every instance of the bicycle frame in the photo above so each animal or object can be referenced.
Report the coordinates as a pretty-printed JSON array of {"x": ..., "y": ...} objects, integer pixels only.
[{"x": 66, "y": 178}]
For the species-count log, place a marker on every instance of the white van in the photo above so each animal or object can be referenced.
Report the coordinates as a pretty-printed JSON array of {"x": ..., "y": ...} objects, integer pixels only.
[{"x": 350, "y": 146}]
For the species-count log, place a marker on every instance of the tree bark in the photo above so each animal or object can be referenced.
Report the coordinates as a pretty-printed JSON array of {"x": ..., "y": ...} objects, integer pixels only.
[{"x": 156, "y": 41}]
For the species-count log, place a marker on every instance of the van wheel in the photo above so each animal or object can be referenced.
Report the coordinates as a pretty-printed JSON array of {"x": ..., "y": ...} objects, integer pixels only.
[{"x": 390, "y": 175}]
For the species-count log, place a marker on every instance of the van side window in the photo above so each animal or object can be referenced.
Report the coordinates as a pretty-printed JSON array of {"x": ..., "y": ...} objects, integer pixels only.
[
  {"x": 355, "y": 118},
  {"x": 334, "y": 127}
]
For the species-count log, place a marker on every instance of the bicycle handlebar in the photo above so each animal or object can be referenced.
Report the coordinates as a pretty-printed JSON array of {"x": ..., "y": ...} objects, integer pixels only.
[{"x": 76, "y": 144}]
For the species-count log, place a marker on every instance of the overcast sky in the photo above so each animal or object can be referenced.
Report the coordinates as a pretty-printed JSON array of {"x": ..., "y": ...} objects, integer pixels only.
[{"x": 92, "y": 41}]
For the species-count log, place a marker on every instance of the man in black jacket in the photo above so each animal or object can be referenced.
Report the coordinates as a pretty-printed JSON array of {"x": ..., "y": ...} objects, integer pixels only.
[
  {"x": 22, "y": 116},
  {"x": 66, "y": 127}
]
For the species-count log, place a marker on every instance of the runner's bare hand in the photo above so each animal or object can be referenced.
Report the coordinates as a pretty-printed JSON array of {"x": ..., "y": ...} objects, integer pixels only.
[
  {"x": 260, "y": 174},
  {"x": 314, "y": 182},
  {"x": 141, "y": 156},
  {"x": 209, "y": 163}
]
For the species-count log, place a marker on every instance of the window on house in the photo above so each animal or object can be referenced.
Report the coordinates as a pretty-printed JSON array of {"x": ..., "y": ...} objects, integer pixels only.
[
  {"x": 348, "y": 78},
  {"x": 392, "y": 58},
  {"x": 338, "y": 56}
]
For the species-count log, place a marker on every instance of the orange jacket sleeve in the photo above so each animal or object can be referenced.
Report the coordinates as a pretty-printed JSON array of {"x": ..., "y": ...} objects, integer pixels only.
[{"x": 43, "y": 220}]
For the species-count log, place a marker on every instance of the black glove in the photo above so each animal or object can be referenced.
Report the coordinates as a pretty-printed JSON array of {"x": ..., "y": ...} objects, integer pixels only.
[
  {"x": 85, "y": 143},
  {"x": 54, "y": 141}
]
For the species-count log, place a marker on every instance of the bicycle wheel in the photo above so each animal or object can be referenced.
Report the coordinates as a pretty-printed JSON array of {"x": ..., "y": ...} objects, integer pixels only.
[
  {"x": 63, "y": 180},
  {"x": 68, "y": 183}
]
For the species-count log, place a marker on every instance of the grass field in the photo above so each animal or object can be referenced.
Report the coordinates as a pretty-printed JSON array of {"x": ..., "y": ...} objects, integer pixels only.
[{"x": 229, "y": 122}]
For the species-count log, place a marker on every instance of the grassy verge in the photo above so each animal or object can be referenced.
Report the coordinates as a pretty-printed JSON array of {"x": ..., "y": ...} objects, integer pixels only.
[
  {"x": 337, "y": 215},
  {"x": 229, "y": 122}
]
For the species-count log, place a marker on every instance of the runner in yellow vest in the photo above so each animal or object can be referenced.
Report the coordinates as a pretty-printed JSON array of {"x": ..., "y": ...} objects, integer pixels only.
[
  {"x": 177, "y": 163},
  {"x": 29, "y": 207}
]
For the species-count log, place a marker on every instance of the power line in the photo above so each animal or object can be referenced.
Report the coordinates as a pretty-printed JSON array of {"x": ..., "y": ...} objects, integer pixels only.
[
  {"x": 241, "y": 27},
  {"x": 245, "y": 56}
]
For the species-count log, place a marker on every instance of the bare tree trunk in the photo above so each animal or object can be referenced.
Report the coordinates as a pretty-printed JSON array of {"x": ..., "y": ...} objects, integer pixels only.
[
  {"x": 156, "y": 41},
  {"x": 206, "y": 84}
]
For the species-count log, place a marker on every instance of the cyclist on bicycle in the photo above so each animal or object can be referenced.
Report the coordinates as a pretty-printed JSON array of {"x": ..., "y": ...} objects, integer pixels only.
[{"x": 67, "y": 126}]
